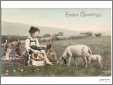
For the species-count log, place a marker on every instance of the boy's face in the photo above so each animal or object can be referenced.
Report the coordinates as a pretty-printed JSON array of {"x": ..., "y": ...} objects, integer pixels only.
[{"x": 35, "y": 34}]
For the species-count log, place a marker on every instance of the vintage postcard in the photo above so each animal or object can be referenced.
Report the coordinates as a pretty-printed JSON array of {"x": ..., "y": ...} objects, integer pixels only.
[{"x": 56, "y": 42}]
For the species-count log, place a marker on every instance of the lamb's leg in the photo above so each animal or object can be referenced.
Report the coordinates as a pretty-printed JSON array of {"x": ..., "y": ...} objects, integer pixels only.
[
  {"x": 100, "y": 63},
  {"x": 70, "y": 57},
  {"x": 69, "y": 61},
  {"x": 75, "y": 63},
  {"x": 101, "y": 66},
  {"x": 89, "y": 60},
  {"x": 86, "y": 62}
]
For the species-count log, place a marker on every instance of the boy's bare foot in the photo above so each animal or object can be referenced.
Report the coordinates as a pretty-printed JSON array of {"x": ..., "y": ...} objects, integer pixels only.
[{"x": 49, "y": 63}]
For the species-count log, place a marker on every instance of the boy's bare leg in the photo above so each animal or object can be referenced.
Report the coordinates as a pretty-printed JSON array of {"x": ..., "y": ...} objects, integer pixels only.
[{"x": 46, "y": 59}]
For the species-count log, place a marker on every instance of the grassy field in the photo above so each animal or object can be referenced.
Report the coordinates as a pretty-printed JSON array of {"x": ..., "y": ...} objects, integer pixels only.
[{"x": 98, "y": 45}]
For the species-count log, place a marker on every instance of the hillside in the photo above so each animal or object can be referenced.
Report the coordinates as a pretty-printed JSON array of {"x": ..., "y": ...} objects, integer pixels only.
[{"x": 20, "y": 29}]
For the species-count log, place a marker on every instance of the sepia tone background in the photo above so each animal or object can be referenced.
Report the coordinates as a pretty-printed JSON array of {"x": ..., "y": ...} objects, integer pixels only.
[{"x": 91, "y": 27}]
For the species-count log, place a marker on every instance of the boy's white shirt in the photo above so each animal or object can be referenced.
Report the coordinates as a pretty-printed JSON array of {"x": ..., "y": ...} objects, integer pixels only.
[{"x": 28, "y": 43}]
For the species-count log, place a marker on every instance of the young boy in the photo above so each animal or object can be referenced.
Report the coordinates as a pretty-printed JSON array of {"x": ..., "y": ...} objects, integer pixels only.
[{"x": 32, "y": 44}]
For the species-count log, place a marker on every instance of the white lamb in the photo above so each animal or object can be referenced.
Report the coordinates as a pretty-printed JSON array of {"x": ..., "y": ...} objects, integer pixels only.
[
  {"x": 97, "y": 58},
  {"x": 82, "y": 51}
]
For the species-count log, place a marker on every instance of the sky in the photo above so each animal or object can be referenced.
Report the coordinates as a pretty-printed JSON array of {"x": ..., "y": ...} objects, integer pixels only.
[{"x": 83, "y": 20}]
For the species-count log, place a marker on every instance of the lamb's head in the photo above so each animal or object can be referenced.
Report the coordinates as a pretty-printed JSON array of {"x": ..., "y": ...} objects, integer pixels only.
[
  {"x": 62, "y": 60},
  {"x": 95, "y": 57}
]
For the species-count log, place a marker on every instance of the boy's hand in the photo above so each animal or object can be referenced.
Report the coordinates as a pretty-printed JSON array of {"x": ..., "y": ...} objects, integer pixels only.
[{"x": 35, "y": 51}]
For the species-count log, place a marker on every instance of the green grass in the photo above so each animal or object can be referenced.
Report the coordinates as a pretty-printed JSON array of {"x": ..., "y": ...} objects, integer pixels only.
[
  {"x": 99, "y": 45},
  {"x": 56, "y": 70}
]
